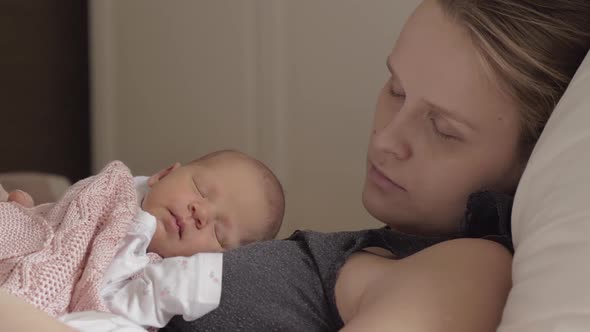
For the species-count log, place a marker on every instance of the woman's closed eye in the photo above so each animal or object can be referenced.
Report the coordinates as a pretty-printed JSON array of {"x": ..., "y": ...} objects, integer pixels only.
[
  {"x": 439, "y": 129},
  {"x": 394, "y": 91},
  {"x": 442, "y": 132},
  {"x": 396, "y": 94}
]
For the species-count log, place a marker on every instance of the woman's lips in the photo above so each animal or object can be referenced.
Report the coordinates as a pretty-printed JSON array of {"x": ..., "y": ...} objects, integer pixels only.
[{"x": 382, "y": 181}]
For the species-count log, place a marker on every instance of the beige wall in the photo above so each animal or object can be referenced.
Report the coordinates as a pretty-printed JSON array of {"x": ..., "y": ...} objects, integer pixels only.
[{"x": 292, "y": 82}]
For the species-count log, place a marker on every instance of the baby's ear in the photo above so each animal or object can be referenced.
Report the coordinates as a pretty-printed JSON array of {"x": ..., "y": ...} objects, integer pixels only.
[{"x": 162, "y": 174}]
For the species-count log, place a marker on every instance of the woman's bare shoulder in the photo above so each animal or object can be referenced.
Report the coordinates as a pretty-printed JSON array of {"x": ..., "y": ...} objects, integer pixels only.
[
  {"x": 457, "y": 285},
  {"x": 466, "y": 250}
]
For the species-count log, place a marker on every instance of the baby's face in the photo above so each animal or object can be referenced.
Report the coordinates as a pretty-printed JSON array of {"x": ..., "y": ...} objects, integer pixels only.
[{"x": 208, "y": 206}]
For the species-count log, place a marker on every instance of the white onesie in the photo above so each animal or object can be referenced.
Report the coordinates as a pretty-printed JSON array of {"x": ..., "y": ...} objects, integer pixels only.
[{"x": 187, "y": 286}]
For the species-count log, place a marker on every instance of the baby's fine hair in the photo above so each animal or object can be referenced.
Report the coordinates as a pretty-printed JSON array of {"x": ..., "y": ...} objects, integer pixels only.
[{"x": 273, "y": 188}]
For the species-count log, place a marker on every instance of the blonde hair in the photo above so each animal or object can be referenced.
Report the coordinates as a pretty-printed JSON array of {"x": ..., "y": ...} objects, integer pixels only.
[{"x": 532, "y": 46}]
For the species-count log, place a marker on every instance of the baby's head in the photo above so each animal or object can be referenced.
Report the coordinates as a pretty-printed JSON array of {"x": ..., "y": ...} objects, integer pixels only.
[{"x": 218, "y": 202}]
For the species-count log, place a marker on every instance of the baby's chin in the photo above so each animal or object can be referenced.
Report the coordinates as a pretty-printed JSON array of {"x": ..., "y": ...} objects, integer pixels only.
[{"x": 142, "y": 204}]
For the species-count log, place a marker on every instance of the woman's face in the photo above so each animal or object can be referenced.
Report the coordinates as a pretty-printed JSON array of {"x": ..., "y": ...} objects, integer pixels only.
[{"x": 442, "y": 130}]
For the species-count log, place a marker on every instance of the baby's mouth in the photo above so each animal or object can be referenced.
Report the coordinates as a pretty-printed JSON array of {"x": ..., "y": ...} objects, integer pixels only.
[
  {"x": 179, "y": 228},
  {"x": 178, "y": 223}
]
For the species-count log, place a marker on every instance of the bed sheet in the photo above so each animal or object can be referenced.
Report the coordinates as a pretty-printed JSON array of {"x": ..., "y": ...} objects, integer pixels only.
[{"x": 97, "y": 321}]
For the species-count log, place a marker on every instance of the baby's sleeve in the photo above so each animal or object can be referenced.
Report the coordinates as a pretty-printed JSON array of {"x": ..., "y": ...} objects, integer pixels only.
[{"x": 187, "y": 286}]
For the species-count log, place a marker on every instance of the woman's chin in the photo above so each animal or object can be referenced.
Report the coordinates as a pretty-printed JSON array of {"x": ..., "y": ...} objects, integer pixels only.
[
  {"x": 387, "y": 212},
  {"x": 376, "y": 205}
]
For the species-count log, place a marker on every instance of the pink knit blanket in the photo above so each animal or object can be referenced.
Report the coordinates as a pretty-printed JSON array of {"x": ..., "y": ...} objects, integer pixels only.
[{"x": 55, "y": 255}]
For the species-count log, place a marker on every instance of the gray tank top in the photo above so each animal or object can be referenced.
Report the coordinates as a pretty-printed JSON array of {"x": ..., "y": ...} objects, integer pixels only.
[{"x": 288, "y": 285}]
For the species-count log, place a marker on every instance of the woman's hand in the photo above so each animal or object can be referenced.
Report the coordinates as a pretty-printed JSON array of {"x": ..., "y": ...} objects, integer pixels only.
[
  {"x": 17, "y": 196},
  {"x": 22, "y": 198},
  {"x": 17, "y": 315}
]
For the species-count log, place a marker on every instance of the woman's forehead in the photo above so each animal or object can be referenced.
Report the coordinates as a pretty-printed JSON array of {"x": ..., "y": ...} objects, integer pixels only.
[{"x": 436, "y": 60}]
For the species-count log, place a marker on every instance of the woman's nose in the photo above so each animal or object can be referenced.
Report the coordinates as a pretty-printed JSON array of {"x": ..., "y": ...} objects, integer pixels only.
[
  {"x": 393, "y": 137},
  {"x": 200, "y": 212}
]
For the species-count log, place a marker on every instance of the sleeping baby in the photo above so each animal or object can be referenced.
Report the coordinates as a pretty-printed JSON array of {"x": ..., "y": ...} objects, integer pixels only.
[{"x": 143, "y": 248}]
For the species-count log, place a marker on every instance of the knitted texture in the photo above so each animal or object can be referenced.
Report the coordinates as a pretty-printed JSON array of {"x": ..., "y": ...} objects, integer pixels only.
[{"x": 55, "y": 255}]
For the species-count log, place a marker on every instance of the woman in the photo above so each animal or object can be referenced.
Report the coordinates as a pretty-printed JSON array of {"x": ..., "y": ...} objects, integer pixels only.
[{"x": 472, "y": 85}]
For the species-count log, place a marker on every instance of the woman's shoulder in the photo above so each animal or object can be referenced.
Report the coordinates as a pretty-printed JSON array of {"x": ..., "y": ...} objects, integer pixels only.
[
  {"x": 465, "y": 249},
  {"x": 463, "y": 283},
  {"x": 470, "y": 278},
  {"x": 475, "y": 261}
]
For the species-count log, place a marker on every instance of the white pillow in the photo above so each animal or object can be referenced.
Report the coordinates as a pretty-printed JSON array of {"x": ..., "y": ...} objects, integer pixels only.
[{"x": 551, "y": 223}]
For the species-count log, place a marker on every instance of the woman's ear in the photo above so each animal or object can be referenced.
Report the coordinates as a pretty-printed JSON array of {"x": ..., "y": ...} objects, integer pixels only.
[{"x": 162, "y": 174}]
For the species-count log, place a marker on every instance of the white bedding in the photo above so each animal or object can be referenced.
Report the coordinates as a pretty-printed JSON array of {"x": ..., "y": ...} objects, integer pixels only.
[
  {"x": 96, "y": 321},
  {"x": 551, "y": 223}
]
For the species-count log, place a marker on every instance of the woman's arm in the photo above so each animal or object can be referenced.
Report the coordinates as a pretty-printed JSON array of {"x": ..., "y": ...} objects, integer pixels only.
[
  {"x": 459, "y": 285},
  {"x": 17, "y": 315}
]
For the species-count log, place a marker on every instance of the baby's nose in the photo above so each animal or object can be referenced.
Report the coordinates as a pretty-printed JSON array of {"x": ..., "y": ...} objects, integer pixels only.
[{"x": 200, "y": 213}]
